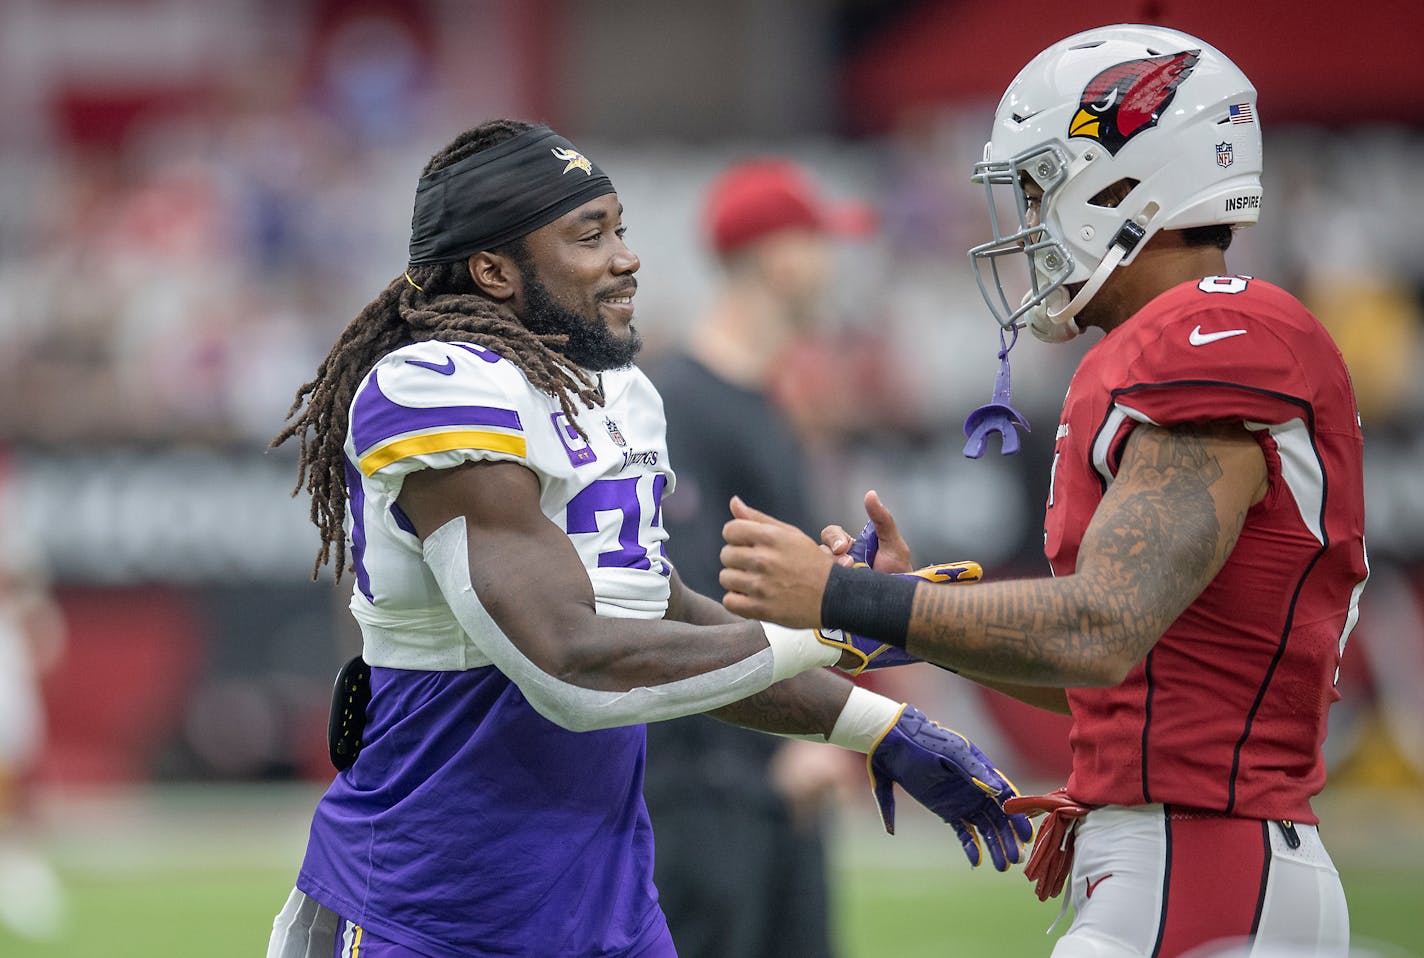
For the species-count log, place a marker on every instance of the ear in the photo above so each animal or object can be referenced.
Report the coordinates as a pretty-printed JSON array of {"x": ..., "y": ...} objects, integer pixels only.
[{"x": 496, "y": 275}]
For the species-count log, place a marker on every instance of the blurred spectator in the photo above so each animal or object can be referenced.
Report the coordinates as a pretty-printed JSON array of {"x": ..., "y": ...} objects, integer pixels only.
[
  {"x": 739, "y": 816},
  {"x": 32, "y": 901}
]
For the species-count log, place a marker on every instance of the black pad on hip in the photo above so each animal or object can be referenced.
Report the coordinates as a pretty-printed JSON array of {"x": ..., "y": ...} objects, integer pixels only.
[{"x": 347, "y": 723}]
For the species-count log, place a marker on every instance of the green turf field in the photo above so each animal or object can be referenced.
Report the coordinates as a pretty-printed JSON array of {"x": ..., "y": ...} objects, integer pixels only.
[
  {"x": 200, "y": 872},
  {"x": 224, "y": 913}
]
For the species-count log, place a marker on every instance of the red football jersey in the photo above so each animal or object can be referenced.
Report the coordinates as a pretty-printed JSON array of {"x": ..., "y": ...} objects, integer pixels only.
[{"x": 1228, "y": 710}]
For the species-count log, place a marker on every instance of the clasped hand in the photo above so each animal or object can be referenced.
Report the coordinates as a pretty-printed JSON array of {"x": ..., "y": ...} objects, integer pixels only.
[{"x": 774, "y": 572}]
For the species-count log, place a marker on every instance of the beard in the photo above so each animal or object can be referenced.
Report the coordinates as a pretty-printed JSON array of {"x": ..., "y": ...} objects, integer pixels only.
[{"x": 591, "y": 344}]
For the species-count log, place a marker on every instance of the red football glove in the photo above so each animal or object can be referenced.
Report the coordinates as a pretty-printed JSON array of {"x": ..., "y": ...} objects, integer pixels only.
[{"x": 1052, "y": 857}]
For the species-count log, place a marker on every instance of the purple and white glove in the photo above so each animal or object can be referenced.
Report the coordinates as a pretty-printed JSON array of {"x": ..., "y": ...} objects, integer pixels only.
[
  {"x": 866, "y": 546},
  {"x": 947, "y": 774},
  {"x": 872, "y": 653}
]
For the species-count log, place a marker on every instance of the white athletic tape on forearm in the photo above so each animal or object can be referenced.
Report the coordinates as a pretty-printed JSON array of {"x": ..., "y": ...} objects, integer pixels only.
[
  {"x": 864, "y": 720},
  {"x": 797, "y": 650},
  {"x": 574, "y": 707}
]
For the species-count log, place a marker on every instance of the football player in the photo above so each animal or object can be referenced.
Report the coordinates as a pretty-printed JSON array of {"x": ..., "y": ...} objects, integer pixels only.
[
  {"x": 1204, "y": 522},
  {"x": 480, "y": 437}
]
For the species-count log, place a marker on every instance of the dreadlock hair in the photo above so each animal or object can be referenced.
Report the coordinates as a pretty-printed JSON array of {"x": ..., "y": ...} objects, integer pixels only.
[{"x": 434, "y": 301}]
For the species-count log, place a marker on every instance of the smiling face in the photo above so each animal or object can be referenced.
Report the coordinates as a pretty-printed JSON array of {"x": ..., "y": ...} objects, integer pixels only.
[{"x": 576, "y": 279}]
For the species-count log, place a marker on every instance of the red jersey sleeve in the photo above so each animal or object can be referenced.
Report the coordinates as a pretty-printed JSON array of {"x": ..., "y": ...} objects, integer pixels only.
[{"x": 1228, "y": 348}]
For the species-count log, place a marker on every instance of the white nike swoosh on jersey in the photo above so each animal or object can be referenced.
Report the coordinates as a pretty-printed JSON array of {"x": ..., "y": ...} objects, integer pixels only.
[{"x": 1199, "y": 338}]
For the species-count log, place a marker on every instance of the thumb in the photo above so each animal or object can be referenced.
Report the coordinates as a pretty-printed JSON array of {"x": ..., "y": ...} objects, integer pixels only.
[
  {"x": 893, "y": 554},
  {"x": 741, "y": 510},
  {"x": 885, "y": 526},
  {"x": 884, "y": 789}
]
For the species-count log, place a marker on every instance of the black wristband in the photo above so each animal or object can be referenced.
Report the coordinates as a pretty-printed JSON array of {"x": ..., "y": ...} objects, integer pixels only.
[{"x": 868, "y": 603}]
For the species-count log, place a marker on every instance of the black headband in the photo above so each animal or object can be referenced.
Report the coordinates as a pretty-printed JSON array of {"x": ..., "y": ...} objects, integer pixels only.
[{"x": 500, "y": 194}]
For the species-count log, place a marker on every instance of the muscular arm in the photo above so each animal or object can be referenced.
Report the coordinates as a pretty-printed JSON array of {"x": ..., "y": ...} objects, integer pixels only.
[
  {"x": 530, "y": 579},
  {"x": 808, "y": 703},
  {"x": 891, "y": 553},
  {"x": 1161, "y": 533},
  {"x": 1163, "y": 530}
]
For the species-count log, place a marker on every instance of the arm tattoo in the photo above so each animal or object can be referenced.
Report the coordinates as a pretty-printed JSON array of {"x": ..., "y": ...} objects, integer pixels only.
[{"x": 1157, "y": 539}]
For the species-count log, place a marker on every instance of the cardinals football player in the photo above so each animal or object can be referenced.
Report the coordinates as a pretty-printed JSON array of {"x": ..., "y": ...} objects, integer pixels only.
[{"x": 1204, "y": 523}]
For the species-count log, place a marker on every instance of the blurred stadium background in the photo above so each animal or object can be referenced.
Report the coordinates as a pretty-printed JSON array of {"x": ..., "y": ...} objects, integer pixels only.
[{"x": 196, "y": 197}]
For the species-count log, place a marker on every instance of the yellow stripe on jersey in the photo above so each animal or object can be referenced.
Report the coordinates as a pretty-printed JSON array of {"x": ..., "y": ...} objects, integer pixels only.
[{"x": 383, "y": 456}]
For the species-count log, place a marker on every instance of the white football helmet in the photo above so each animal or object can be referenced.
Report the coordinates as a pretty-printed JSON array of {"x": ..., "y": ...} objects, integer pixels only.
[{"x": 1159, "y": 109}]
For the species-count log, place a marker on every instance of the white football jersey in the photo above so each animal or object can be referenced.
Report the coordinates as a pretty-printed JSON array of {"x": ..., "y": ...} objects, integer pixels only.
[{"x": 435, "y": 405}]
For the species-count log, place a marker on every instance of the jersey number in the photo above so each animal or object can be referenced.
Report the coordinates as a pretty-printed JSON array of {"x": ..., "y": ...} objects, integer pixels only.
[
  {"x": 1224, "y": 284},
  {"x": 621, "y": 496}
]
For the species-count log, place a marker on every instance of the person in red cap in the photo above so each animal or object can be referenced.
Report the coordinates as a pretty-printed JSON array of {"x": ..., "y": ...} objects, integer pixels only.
[
  {"x": 740, "y": 867},
  {"x": 765, "y": 198}
]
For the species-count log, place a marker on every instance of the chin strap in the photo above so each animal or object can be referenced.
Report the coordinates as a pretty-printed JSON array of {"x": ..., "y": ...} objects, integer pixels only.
[
  {"x": 1059, "y": 327},
  {"x": 998, "y": 416}
]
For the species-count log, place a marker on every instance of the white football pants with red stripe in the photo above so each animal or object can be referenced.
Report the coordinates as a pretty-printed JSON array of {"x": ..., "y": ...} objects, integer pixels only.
[{"x": 1162, "y": 882}]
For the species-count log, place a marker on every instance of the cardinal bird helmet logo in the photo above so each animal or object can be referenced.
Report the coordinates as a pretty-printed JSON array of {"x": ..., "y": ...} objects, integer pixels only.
[{"x": 1126, "y": 99}]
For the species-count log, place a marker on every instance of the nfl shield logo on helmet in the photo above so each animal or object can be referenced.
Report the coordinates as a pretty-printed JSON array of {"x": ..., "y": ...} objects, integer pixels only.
[{"x": 1224, "y": 157}]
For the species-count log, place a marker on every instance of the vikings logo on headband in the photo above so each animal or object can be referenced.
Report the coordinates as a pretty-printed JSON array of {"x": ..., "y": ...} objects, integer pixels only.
[
  {"x": 1126, "y": 99},
  {"x": 575, "y": 159},
  {"x": 500, "y": 194}
]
